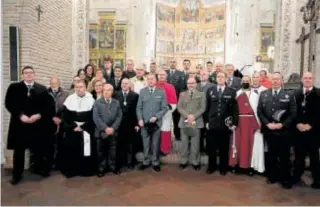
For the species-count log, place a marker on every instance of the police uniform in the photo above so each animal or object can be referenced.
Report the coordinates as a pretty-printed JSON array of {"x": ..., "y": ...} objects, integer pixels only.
[
  {"x": 221, "y": 106},
  {"x": 277, "y": 106}
]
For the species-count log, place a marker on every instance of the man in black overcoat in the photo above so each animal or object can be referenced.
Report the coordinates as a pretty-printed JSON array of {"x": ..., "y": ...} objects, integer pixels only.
[{"x": 31, "y": 109}]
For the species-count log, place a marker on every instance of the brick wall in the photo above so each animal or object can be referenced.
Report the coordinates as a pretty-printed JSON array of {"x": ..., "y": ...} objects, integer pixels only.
[{"x": 45, "y": 45}]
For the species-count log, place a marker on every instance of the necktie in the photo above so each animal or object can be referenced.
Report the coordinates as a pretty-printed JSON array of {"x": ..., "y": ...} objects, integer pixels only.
[
  {"x": 117, "y": 81},
  {"x": 151, "y": 91},
  {"x": 256, "y": 91},
  {"x": 191, "y": 94},
  {"x": 29, "y": 89},
  {"x": 125, "y": 94},
  {"x": 172, "y": 72},
  {"x": 220, "y": 92},
  {"x": 307, "y": 92},
  {"x": 275, "y": 94}
]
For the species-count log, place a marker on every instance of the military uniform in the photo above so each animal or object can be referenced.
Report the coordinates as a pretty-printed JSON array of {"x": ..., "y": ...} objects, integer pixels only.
[
  {"x": 277, "y": 106},
  {"x": 221, "y": 106}
]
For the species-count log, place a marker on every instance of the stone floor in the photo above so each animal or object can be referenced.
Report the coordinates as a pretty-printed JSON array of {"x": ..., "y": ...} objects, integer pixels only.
[{"x": 170, "y": 187}]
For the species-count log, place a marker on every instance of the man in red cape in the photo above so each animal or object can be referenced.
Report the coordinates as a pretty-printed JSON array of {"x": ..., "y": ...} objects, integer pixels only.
[
  {"x": 242, "y": 141},
  {"x": 171, "y": 96}
]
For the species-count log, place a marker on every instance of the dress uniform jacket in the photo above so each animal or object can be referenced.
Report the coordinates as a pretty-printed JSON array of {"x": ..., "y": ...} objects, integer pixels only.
[
  {"x": 218, "y": 109},
  {"x": 269, "y": 106}
]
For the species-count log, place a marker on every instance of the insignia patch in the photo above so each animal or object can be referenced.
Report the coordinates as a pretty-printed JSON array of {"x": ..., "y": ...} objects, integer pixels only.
[{"x": 226, "y": 96}]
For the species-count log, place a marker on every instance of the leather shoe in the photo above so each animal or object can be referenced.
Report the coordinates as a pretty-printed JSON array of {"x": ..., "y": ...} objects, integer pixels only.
[
  {"x": 156, "y": 168},
  {"x": 315, "y": 185},
  {"x": 286, "y": 185},
  {"x": 15, "y": 181},
  {"x": 100, "y": 174},
  {"x": 251, "y": 173},
  {"x": 210, "y": 170},
  {"x": 116, "y": 172},
  {"x": 271, "y": 181},
  {"x": 223, "y": 173},
  {"x": 183, "y": 166},
  {"x": 196, "y": 167},
  {"x": 143, "y": 167}
]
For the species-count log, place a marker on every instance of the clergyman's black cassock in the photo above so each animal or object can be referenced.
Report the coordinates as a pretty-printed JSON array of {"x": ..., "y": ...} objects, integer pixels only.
[{"x": 33, "y": 136}]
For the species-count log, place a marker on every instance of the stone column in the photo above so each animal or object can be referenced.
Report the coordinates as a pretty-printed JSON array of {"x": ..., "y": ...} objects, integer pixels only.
[
  {"x": 1, "y": 88},
  {"x": 286, "y": 49},
  {"x": 80, "y": 40}
]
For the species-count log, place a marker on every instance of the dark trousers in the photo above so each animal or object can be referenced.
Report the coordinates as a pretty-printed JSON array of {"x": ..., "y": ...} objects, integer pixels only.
[
  {"x": 40, "y": 160},
  {"x": 306, "y": 143},
  {"x": 203, "y": 140},
  {"x": 278, "y": 156},
  {"x": 106, "y": 149},
  {"x": 218, "y": 140},
  {"x": 176, "y": 129},
  {"x": 126, "y": 148}
]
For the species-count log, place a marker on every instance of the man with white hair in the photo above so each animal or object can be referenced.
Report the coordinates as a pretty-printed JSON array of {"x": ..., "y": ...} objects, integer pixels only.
[
  {"x": 107, "y": 116},
  {"x": 139, "y": 81}
]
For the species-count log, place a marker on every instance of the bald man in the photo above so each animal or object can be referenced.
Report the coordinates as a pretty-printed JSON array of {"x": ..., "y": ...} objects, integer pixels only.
[
  {"x": 307, "y": 129},
  {"x": 277, "y": 112}
]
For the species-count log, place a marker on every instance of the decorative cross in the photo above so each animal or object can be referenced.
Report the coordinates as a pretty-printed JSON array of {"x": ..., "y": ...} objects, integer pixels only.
[
  {"x": 38, "y": 8},
  {"x": 311, "y": 15}
]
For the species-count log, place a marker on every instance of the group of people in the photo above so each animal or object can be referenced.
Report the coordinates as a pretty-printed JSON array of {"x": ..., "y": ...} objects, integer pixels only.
[{"x": 109, "y": 115}]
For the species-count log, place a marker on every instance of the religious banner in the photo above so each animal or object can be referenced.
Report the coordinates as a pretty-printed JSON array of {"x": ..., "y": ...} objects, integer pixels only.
[{"x": 192, "y": 30}]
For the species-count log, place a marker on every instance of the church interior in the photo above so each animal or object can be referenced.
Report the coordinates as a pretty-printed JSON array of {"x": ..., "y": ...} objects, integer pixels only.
[{"x": 59, "y": 38}]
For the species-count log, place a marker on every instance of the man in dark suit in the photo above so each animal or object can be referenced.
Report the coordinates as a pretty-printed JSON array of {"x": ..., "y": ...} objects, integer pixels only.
[
  {"x": 127, "y": 141},
  {"x": 32, "y": 110},
  {"x": 152, "y": 106},
  {"x": 307, "y": 124},
  {"x": 222, "y": 119},
  {"x": 177, "y": 79},
  {"x": 213, "y": 74},
  {"x": 115, "y": 81},
  {"x": 232, "y": 81},
  {"x": 108, "y": 73},
  {"x": 277, "y": 111},
  {"x": 107, "y": 116},
  {"x": 203, "y": 86},
  {"x": 129, "y": 72}
]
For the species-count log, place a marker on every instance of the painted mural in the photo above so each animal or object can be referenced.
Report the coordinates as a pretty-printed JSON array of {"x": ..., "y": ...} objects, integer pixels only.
[{"x": 190, "y": 30}]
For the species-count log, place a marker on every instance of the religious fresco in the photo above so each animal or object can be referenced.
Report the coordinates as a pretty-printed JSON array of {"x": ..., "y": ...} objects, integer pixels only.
[
  {"x": 266, "y": 40},
  {"x": 107, "y": 37},
  {"x": 106, "y": 33},
  {"x": 197, "y": 32},
  {"x": 190, "y": 11},
  {"x": 120, "y": 40}
]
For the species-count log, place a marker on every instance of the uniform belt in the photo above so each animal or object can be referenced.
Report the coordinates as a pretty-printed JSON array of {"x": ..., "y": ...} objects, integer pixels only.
[{"x": 246, "y": 115}]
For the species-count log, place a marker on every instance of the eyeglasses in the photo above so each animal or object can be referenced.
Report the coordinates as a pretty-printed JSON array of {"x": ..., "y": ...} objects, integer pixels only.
[{"x": 30, "y": 72}]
